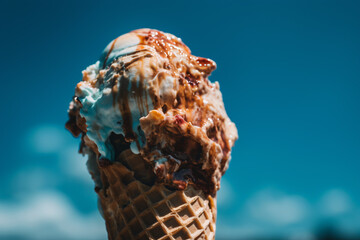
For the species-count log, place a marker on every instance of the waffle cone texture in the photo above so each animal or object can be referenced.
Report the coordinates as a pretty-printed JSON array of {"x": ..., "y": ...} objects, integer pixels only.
[{"x": 134, "y": 209}]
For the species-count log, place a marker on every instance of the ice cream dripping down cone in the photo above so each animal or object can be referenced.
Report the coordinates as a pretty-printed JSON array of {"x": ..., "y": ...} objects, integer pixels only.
[{"x": 157, "y": 137}]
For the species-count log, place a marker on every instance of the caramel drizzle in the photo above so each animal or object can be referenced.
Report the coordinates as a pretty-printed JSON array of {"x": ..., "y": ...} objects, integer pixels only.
[
  {"x": 124, "y": 108},
  {"x": 138, "y": 92},
  {"x": 123, "y": 99},
  {"x": 163, "y": 45},
  {"x": 108, "y": 54}
]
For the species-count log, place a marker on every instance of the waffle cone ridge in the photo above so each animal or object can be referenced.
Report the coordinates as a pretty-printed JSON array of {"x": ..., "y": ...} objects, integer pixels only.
[{"x": 135, "y": 210}]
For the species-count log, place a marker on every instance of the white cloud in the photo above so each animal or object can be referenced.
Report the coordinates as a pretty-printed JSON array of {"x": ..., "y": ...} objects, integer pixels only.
[
  {"x": 74, "y": 163},
  {"x": 274, "y": 207},
  {"x": 350, "y": 223},
  {"x": 48, "y": 215},
  {"x": 335, "y": 202},
  {"x": 227, "y": 230},
  {"x": 38, "y": 210},
  {"x": 272, "y": 213},
  {"x": 226, "y": 194},
  {"x": 32, "y": 179},
  {"x": 46, "y": 139}
]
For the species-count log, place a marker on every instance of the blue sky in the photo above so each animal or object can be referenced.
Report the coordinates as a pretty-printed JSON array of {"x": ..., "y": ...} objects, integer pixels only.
[{"x": 289, "y": 72}]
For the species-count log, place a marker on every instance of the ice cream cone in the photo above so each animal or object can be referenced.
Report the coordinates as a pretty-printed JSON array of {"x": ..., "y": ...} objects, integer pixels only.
[
  {"x": 157, "y": 136},
  {"x": 135, "y": 210}
]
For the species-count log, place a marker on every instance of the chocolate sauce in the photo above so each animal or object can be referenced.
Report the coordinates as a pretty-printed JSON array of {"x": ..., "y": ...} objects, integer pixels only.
[
  {"x": 124, "y": 108},
  {"x": 192, "y": 174},
  {"x": 136, "y": 59},
  {"x": 118, "y": 144},
  {"x": 206, "y": 65},
  {"x": 110, "y": 50},
  {"x": 104, "y": 162},
  {"x": 191, "y": 79},
  {"x": 181, "y": 132},
  {"x": 138, "y": 91},
  {"x": 72, "y": 126},
  {"x": 76, "y": 124},
  {"x": 162, "y": 43}
]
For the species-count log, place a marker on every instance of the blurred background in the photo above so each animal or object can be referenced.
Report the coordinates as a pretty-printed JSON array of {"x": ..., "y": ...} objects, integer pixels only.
[{"x": 289, "y": 73}]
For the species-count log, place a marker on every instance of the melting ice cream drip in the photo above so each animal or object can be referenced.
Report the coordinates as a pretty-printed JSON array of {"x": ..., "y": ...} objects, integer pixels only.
[{"x": 148, "y": 88}]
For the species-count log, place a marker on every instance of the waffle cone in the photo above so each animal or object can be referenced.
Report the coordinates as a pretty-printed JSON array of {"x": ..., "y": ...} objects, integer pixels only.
[{"x": 134, "y": 207}]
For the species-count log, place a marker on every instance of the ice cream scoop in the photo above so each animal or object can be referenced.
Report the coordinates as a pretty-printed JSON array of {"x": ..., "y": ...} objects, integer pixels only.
[{"x": 149, "y": 97}]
